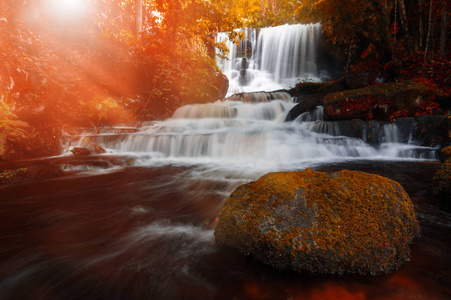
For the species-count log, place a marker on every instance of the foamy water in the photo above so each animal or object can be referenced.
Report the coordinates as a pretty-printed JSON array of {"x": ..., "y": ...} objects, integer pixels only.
[{"x": 236, "y": 135}]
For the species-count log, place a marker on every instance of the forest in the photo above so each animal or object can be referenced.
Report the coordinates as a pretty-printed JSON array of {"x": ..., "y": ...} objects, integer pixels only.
[
  {"x": 225, "y": 149},
  {"x": 69, "y": 63}
]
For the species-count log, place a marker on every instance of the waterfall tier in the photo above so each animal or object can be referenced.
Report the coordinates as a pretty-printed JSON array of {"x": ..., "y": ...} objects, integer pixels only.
[
  {"x": 236, "y": 133},
  {"x": 272, "y": 58}
]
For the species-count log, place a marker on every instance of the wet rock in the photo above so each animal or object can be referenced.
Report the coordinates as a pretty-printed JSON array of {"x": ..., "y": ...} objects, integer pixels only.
[
  {"x": 99, "y": 149},
  {"x": 333, "y": 87},
  {"x": 222, "y": 82},
  {"x": 254, "y": 97},
  {"x": 244, "y": 49},
  {"x": 80, "y": 151},
  {"x": 305, "y": 88},
  {"x": 430, "y": 129},
  {"x": 335, "y": 222},
  {"x": 355, "y": 128},
  {"x": 31, "y": 173},
  {"x": 378, "y": 102},
  {"x": 442, "y": 185},
  {"x": 306, "y": 103},
  {"x": 310, "y": 88}
]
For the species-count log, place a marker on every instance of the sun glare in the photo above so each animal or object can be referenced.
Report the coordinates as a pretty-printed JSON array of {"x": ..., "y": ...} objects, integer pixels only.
[{"x": 68, "y": 11}]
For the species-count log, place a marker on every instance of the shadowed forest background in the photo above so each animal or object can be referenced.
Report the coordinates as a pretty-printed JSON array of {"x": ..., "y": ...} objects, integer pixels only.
[{"x": 70, "y": 63}]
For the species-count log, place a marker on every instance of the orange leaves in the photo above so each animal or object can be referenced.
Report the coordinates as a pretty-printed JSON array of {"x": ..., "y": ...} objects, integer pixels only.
[{"x": 11, "y": 129}]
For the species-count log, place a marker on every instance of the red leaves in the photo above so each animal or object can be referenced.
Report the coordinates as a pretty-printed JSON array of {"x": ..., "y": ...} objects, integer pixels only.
[{"x": 370, "y": 50}]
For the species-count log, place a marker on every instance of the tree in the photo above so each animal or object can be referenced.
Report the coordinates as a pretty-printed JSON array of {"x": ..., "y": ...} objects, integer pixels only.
[
  {"x": 342, "y": 19},
  {"x": 138, "y": 17}
]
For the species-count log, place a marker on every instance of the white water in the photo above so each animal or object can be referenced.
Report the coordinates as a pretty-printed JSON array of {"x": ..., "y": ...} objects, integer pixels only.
[
  {"x": 240, "y": 136},
  {"x": 281, "y": 57}
]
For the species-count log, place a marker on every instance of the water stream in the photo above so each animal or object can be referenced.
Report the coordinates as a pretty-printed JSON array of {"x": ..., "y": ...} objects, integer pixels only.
[
  {"x": 137, "y": 221},
  {"x": 249, "y": 135}
]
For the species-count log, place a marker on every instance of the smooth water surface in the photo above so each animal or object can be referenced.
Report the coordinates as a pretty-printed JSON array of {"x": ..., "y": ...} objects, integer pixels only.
[{"x": 144, "y": 233}]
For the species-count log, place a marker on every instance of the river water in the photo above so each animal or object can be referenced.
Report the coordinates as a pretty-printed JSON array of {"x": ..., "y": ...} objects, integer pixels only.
[{"x": 137, "y": 222}]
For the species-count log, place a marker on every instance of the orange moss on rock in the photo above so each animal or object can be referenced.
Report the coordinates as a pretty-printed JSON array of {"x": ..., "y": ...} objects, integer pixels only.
[{"x": 339, "y": 222}]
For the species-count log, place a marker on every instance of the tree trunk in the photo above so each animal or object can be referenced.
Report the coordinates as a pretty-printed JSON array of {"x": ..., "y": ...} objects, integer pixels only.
[
  {"x": 383, "y": 41},
  {"x": 420, "y": 31},
  {"x": 428, "y": 38},
  {"x": 405, "y": 26},
  {"x": 395, "y": 28},
  {"x": 138, "y": 17},
  {"x": 444, "y": 31}
]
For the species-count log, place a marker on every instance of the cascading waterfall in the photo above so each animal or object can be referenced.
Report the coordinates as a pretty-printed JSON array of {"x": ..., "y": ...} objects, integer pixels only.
[
  {"x": 272, "y": 58},
  {"x": 248, "y": 129},
  {"x": 240, "y": 134}
]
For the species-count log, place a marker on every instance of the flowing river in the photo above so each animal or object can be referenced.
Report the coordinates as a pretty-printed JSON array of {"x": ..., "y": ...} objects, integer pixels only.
[{"x": 137, "y": 222}]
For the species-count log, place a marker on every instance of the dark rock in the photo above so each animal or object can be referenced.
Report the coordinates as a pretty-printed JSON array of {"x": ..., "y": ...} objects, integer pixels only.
[
  {"x": 371, "y": 132},
  {"x": 354, "y": 128},
  {"x": 442, "y": 185},
  {"x": 244, "y": 49},
  {"x": 336, "y": 222},
  {"x": 243, "y": 72},
  {"x": 445, "y": 154},
  {"x": 80, "y": 151},
  {"x": 222, "y": 82},
  {"x": 445, "y": 129},
  {"x": 310, "y": 88},
  {"x": 306, "y": 103},
  {"x": 444, "y": 101},
  {"x": 333, "y": 87},
  {"x": 260, "y": 96},
  {"x": 305, "y": 88},
  {"x": 378, "y": 102},
  {"x": 31, "y": 173},
  {"x": 430, "y": 129}
]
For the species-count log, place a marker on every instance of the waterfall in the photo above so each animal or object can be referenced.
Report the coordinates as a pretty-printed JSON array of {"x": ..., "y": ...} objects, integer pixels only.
[
  {"x": 272, "y": 58},
  {"x": 246, "y": 135},
  {"x": 247, "y": 130}
]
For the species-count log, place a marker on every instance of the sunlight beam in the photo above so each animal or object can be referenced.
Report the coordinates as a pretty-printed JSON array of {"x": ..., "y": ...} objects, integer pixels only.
[{"x": 68, "y": 11}]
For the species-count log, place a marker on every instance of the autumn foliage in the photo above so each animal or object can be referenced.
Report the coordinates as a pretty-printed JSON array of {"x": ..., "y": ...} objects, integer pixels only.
[
  {"x": 120, "y": 61},
  {"x": 105, "y": 63}
]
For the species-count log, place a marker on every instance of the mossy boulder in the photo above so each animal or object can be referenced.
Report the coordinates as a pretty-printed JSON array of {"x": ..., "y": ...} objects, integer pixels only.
[
  {"x": 320, "y": 222},
  {"x": 380, "y": 102},
  {"x": 442, "y": 185}
]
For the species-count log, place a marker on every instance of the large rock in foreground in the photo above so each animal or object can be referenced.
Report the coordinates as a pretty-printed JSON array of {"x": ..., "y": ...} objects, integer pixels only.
[{"x": 339, "y": 222}]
